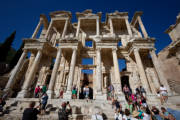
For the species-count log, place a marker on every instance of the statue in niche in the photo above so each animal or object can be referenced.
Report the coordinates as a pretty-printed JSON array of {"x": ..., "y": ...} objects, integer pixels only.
[{"x": 105, "y": 81}]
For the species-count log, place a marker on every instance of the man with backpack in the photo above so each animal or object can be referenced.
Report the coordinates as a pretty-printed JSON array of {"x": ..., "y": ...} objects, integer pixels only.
[
  {"x": 62, "y": 113},
  {"x": 166, "y": 115}
]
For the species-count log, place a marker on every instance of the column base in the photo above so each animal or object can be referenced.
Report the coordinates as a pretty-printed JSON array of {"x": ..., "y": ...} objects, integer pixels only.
[
  {"x": 101, "y": 96},
  {"x": 120, "y": 96},
  {"x": 7, "y": 92},
  {"x": 67, "y": 95},
  {"x": 22, "y": 94},
  {"x": 50, "y": 94}
]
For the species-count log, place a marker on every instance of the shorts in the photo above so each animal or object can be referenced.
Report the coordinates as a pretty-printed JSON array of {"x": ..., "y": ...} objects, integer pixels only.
[
  {"x": 43, "y": 107},
  {"x": 164, "y": 94}
]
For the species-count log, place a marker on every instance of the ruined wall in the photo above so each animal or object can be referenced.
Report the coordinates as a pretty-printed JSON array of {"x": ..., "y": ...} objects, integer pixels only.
[{"x": 171, "y": 68}]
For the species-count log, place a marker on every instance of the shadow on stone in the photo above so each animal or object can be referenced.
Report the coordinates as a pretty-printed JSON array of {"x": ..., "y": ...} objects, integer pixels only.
[
  {"x": 104, "y": 116},
  {"x": 49, "y": 106},
  {"x": 14, "y": 104},
  {"x": 53, "y": 109}
]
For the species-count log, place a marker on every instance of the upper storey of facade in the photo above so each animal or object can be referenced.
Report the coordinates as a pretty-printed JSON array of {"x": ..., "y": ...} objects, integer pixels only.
[{"x": 89, "y": 27}]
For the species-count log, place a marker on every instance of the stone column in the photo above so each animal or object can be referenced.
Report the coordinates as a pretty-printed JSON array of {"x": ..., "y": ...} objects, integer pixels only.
[
  {"x": 27, "y": 82},
  {"x": 142, "y": 27},
  {"x": 97, "y": 27},
  {"x": 54, "y": 74},
  {"x": 65, "y": 29},
  {"x": 157, "y": 66},
  {"x": 12, "y": 78},
  {"x": 111, "y": 26},
  {"x": 128, "y": 27},
  {"x": 49, "y": 28},
  {"x": 71, "y": 75},
  {"x": 116, "y": 72},
  {"x": 142, "y": 73},
  {"x": 98, "y": 72},
  {"x": 78, "y": 27},
  {"x": 37, "y": 29}
]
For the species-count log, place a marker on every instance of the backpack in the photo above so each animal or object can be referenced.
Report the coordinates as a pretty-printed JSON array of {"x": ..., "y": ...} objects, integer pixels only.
[
  {"x": 62, "y": 115},
  {"x": 171, "y": 117}
]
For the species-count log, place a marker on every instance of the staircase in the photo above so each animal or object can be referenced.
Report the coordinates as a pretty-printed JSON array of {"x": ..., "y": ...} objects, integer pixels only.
[{"x": 81, "y": 109}]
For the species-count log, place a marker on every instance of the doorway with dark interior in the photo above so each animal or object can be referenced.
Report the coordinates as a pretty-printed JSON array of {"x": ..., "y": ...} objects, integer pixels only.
[
  {"x": 125, "y": 81},
  {"x": 86, "y": 82}
]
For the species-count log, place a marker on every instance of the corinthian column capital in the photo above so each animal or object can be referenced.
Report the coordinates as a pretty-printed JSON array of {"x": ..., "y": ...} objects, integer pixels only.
[
  {"x": 98, "y": 49},
  {"x": 114, "y": 49}
]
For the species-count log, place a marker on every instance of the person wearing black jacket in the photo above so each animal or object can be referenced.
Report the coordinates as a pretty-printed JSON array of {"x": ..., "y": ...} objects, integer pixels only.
[{"x": 31, "y": 112}]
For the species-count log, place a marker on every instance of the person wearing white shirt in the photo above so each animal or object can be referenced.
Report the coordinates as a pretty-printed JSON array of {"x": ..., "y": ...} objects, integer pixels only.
[
  {"x": 96, "y": 117},
  {"x": 163, "y": 94}
]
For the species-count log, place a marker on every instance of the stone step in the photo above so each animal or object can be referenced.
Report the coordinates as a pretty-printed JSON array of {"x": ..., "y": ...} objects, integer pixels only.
[{"x": 17, "y": 106}]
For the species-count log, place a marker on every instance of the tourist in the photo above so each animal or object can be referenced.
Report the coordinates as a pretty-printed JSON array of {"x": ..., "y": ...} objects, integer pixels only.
[
  {"x": 37, "y": 90},
  {"x": 62, "y": 114},
  {"x": 137, "y": 115},
  {"x": 166, "y": 115},
  {"x": 127, "y": 116},
  {"x": 97, "y": 115},
  {"x": 74, "y": 93},
  {"x": 126, "y": 91},
  {"x": 2, "y": 103},
  {"x": 61, "y": 93},
  {"x": 44, "y": 101},
  {"x": 137, "y": 90},
  {"x": 31, "y": 112},
  {"x": 117, "y": 105},
  {"x": 118, "y": 114},
  {"x": 108, "y": 93},
  {"x": 142, "y": 91},
  {"x": 129, "y": 106},
  {"x": 156, "y": 114},
  {"x": 145, "y": 113},
  {"x": 86, "y": 92},
  {"x": 133, "y": 98},
  {"x": 111, "y": 91},
  {"x": 143, "y": 101},
  {"x": 163, "y": 94},
  {"x": 44, "y": 89},
  {"x": 139, "y": 102},
  {"x": 68, "y": 108}
]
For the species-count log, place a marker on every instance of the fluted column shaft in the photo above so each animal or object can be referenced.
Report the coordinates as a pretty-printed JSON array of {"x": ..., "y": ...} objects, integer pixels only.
[
  {"x": 128, "y": 27},
  {"x": 71, "y": 71},
  {"x": 116, "y": 70},
  {"x": 142, "y": 73},
  {"x": 111, "y": 27},
  {"x": 98, "y": 72},
  {"x": 157, "y": 66},
  {"x": 78, "y": 27},
  {"x": 12, "y": 78},
  {"x": 37, "y": 29},
  {"x": 142, "y": 27},
  {"x": 54, "y": 74},
  {"x": 30, "y": 76},
  {"x": 65, "y": 29},
  {"x": 97, "y": 27},
  {"x": 49, "y": 28}
]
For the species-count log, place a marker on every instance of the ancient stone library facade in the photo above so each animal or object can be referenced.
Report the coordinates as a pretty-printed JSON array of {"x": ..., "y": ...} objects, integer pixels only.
[{"x": 58, "y": 47}]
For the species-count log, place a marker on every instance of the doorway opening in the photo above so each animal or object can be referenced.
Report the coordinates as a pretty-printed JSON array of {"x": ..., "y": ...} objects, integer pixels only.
[
  {"x": 86, "y": 82},
  {"x": 125, "y": 81}
]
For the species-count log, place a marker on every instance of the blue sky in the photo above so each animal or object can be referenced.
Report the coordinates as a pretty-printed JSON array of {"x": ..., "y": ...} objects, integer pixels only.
[{"x": 23, "y": 15}]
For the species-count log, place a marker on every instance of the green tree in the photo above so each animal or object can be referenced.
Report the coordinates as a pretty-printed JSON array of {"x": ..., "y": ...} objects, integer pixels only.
[
  {"x": 6, "y": 46},
  {"x": 16, "y": 57}
]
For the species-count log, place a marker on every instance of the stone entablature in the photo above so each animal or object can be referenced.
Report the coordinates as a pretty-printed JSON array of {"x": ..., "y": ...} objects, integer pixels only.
[{"x": 56, "y": 55}]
